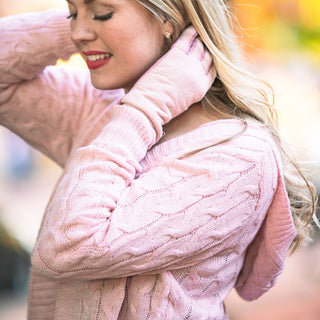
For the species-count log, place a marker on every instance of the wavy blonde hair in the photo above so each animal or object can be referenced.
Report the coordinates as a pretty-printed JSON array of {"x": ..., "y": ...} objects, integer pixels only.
[{"x": 236, "y": 92}]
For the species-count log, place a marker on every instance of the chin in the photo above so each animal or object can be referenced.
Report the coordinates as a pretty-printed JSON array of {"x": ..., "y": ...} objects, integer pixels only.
[
  {"x": 106, "y": 84},
  {"x": 103, "y": 84}
]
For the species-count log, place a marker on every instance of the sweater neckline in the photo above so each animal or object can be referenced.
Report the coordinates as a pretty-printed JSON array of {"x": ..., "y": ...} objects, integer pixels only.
[{"x": 205, "y": 135}]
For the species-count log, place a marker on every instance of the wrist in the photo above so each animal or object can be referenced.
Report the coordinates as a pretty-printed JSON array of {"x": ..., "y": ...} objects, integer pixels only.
[
  {"x": 60, "y": 25},
  {"x": 129, "y": 130}
]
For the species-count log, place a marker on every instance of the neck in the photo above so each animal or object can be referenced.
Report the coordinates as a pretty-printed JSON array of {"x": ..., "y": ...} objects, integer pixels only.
[{"x": 190, "y": 120}]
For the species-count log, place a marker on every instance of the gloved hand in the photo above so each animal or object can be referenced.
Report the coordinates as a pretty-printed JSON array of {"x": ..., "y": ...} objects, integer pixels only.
[{"x": 177, "y": 80}]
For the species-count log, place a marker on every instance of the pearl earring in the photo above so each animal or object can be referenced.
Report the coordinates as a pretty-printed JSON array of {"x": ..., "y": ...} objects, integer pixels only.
[{"x": 167, "y": 34}]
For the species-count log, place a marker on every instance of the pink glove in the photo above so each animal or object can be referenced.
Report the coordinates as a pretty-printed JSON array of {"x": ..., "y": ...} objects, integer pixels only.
[{"x": 177, "y": 80}]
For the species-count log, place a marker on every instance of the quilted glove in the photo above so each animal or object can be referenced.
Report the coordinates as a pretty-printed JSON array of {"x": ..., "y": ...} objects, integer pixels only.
[{"x": 177, "y": 80}]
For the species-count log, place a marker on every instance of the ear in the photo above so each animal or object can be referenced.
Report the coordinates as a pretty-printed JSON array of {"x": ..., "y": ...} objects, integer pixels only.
[{"x": 167, "y": 28}]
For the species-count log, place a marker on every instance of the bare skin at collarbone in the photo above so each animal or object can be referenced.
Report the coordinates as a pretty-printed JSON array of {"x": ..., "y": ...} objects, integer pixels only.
[{"x": 190, "y": 120}]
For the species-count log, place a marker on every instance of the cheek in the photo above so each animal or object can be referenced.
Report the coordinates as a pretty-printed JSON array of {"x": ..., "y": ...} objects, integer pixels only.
[
  {"x": 149, "y": 48},
  {"x": 147, "y": 38},
  {"x": 141, "y": 52}
]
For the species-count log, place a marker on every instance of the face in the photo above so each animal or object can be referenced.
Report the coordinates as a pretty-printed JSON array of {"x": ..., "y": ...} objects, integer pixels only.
[{"x": 119, "y": 40}]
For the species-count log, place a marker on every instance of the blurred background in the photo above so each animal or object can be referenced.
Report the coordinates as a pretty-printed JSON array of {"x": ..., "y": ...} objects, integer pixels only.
[{"x": 281, "y": 39}]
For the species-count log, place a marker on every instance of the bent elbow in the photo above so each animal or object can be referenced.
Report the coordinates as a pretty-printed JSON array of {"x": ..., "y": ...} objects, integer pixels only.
[
  {"x": 61, "y": 261},
  {"x": 52, "y": 264}
]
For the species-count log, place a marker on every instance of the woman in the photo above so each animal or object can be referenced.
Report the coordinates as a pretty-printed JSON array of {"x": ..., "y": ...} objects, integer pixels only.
[{"x": 175, "y": 188}]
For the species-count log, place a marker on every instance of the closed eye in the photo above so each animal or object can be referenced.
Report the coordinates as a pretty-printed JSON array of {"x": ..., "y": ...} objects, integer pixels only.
[
  {"x": 104, "y": 17},
  {"x": 72, "y": 16}
]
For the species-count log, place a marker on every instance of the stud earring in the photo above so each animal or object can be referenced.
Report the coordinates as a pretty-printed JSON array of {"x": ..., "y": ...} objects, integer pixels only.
[{"x": 167, "y": 34}]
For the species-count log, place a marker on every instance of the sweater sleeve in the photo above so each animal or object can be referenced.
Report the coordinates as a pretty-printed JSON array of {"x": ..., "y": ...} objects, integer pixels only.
[
  {"x": 43, "y": 104},
  {"x": 172, "y": 216}
]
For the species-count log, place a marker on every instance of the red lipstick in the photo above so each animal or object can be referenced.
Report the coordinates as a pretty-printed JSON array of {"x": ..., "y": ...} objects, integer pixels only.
[{"x": 92, "y": 65}]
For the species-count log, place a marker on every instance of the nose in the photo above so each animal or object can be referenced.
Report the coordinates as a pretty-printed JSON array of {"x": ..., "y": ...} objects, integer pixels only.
[{"x": 82, "y": 30}]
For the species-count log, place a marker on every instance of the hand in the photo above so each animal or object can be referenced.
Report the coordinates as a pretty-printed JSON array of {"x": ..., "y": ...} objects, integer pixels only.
[{"x": 177, "y": 80}]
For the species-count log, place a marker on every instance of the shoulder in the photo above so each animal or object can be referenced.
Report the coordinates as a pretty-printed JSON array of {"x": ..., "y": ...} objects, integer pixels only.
[
  {"x": 217, "y": 141},
  {"x": 246, "y": 166},
  {"x": 246, "y": 148},
  {"x": 230, "y": 139},
  {"x": 249, "y": 142},
  {"x": 223, "y": 150}
]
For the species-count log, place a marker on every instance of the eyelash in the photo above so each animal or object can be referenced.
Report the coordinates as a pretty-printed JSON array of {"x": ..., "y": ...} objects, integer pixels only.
[
  {"x": 72, "y": 16},
  {"x": 104, "y": 17}
]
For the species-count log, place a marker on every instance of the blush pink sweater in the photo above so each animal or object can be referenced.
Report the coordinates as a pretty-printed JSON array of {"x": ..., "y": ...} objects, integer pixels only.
[{"x": 133, "y": 232}]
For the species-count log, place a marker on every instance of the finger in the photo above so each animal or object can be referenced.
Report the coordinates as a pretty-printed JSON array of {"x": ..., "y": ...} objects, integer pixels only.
[
  {"x": 196, "y": 48},
  {"x": 211, "y": 73},
  {"x": 186, "y": 39},
  {"x": 193, "y": 43},
  {"x": 206, "y": 60}
]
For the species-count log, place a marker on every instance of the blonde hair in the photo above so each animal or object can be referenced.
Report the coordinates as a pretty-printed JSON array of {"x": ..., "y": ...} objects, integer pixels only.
[{"x": 236, "y": 92}]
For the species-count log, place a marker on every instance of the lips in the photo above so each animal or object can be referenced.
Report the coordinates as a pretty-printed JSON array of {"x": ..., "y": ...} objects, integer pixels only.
[{"x": 96, "y": 59}]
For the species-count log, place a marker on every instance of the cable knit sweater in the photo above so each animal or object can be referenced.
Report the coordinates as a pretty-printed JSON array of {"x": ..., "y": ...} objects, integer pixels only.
[{"x": 131, "y": 233}]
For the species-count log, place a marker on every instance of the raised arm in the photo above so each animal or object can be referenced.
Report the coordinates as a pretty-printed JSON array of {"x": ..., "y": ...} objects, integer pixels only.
[
  {"x": 43, "y": 104},
  {"x": 81, "y": 211},
  {"x": 173, "y": 216}
]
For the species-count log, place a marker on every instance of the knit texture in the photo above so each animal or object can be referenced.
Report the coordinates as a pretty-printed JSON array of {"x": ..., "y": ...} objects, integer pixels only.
[{"x": 131, "y": 233}]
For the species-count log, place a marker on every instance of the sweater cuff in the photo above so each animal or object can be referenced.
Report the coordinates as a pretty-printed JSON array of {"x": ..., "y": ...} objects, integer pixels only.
[
  {"x": 130, "y": 129},
  {"x": 61, "y": 27}
]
